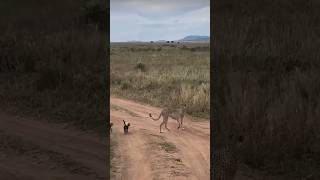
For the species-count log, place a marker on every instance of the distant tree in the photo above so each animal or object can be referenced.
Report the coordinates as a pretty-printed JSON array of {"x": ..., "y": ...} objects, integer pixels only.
[{"x": 151, "y": 41}]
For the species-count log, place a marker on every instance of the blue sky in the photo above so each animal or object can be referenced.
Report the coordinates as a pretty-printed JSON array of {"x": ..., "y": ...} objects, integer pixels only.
[{"x": 146, "y": 20}]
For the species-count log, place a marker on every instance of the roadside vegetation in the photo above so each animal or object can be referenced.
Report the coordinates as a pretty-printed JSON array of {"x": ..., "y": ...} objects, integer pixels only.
[
  {"x": 267, "y": 54},
  {"x": 52, "y": 60},
  {"x": 162, "y": 75}
]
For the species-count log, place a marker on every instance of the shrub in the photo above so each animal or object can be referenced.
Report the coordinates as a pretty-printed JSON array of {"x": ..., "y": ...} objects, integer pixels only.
[{"x": 140, "y": 66}]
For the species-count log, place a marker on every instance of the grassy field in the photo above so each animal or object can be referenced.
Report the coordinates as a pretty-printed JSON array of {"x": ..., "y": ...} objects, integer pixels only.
[
  {"x": 56, "y": 69},
  {"x": 268, "y": 54},
  {"x": 162, "y": 74}
]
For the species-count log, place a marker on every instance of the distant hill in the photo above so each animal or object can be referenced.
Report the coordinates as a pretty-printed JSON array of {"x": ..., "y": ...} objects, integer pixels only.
[
  {"x": 191, "y": 38},
  {"x": 195, "y": 38}
]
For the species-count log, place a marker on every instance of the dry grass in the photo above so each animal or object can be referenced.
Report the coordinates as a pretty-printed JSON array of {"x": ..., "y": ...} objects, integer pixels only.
[
  {"x": 162, "y": 75},
  {"x": 268, "y": 58},
  {"x": 54, "y": 69}
]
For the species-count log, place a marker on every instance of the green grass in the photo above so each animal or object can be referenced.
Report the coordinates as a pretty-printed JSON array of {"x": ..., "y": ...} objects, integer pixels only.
[
  {"x": 168, "y": 147},
  {"x": 163, "y": 75}
]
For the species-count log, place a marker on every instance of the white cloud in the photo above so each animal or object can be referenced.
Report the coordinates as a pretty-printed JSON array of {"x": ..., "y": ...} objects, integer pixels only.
[
  {"x": 131, "y": 25},
  {"x": 157, "y": 8},
  {"x": 197, "y": 16}
]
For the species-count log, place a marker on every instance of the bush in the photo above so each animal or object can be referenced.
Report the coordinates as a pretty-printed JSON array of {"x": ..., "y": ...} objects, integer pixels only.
[{"x": 140, "y": 66}]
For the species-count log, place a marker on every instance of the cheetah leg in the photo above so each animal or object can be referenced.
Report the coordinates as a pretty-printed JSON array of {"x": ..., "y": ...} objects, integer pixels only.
[
  {"x": 178, "y": 123},
  {"x": 165, "y": 125},
  {"x": 181, "y": 122},
  {"x": 160, "y": 126}
]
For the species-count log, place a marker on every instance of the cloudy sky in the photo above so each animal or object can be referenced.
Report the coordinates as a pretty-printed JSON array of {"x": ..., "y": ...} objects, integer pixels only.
[{"x": 146, "y": 20}]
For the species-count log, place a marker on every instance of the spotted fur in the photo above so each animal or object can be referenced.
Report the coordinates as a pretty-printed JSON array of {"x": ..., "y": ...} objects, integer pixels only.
[{"x": 176, "y": 114}]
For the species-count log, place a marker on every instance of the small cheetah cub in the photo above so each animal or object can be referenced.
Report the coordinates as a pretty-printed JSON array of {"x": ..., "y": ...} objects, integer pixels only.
[{"x": 125, "y": 127}]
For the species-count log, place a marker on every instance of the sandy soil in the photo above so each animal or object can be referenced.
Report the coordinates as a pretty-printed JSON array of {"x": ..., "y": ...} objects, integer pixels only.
[
  {"x": 145, "y": 153},
  {"x": 36, "y": 150},
  {"x": 142, "y": 154}
]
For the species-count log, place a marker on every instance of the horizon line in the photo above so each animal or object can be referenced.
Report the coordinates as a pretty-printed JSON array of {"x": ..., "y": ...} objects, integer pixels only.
[{"x": 177, "y": 40}]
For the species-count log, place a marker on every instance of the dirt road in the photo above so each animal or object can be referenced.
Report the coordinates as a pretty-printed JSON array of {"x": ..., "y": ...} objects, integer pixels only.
[
  {"x": 145, "y": 153},
  {"x": 36, "y": 150}
]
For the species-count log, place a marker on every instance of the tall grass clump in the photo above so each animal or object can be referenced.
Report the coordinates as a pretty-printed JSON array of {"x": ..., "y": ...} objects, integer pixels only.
[
  {"x": 140, "y": 66},
  {"x": 269, "y": 69}
]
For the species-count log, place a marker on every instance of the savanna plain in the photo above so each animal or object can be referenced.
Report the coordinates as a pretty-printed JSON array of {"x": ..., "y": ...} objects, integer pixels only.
[{"x": 144, "y": 78}]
